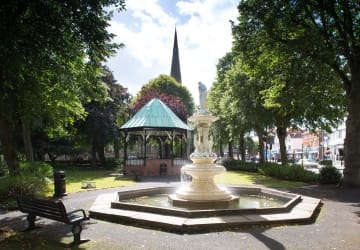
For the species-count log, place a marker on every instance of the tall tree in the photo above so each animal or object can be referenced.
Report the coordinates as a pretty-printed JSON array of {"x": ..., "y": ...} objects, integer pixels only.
[
  {"x": 51, "y": 54},
  {"x": 104, "y": 118},
  {"x": 236, "y": 96},
  {"x": 215, "y": 103},
  {"x": 323, "y": 31}
]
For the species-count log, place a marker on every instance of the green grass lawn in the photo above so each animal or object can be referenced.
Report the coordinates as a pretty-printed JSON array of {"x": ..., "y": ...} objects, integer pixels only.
[
  {"x": 106, "y": 179},
  {"x": 102, "y": 178},
  {"x": 249, "y": 178}
]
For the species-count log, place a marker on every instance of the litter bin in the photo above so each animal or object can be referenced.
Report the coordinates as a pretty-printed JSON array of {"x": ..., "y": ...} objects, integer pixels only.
[{"x": 59, "y": 183}]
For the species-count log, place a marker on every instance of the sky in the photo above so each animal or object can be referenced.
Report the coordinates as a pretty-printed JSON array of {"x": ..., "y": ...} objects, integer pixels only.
[{"x": 147, "y": 30}]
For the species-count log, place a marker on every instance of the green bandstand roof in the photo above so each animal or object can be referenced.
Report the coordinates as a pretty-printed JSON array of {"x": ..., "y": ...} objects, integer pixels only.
[{"x": 155, "y": 115}]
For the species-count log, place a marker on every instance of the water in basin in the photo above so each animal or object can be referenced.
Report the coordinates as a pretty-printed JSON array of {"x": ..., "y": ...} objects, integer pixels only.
[{"x": 246, "y": 201}]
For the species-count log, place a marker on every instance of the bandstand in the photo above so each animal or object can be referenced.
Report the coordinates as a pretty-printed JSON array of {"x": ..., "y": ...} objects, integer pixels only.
[{"x": 156, "y": 141}]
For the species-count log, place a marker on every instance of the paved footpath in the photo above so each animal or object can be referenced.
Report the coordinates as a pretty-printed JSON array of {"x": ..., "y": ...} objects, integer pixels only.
[{"x": 336, "y": 227}]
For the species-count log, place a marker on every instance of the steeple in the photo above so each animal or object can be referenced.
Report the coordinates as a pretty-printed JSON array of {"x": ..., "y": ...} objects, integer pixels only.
[{"x": 175, "y": 63}]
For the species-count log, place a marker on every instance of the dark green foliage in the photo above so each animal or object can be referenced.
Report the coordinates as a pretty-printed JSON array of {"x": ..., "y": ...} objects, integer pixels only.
[
  {"x": 3, "y": 168},
  {"x": 112, "y": 164},
  {"x": 25, "y": 185},
  {"x": 51, "y": 54},
  {"x": 287, "y": 172},
  {"x": 326, "y": 162},
  {"x": 36, "y": 169},
  {"x": 283, "y": 172},
  {"x": 330, "y": 175},
  {"x": 33, "y": 180},
  {"x": 232, "y": 164}
]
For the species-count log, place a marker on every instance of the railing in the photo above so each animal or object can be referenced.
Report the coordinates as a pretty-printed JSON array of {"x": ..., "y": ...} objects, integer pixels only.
[
  {"x": 140, "y": 162},
  {"x": 135, "y": 162},
  {"x": 181, "y": 162}
]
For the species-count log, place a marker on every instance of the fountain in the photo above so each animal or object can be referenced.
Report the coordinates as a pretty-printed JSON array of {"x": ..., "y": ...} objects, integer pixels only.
[
  {"x": 201, "y": 204},
  {"x": 202, "y": 191}
]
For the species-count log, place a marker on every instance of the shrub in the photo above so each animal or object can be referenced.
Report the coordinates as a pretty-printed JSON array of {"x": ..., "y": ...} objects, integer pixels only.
[
  {"x": 112, "y": 164},
  {"x": 36, "y": 168},
  {"x": 3, "y": 168},
  {"x": 287, "y": 172},
  {"x": 232, "y": 164},
  {"x": 33, "y": 180},
  {"x": 330, "y": 175},
  {"x": 24, "y": 185},
  {"x": 326, "y": 162}
]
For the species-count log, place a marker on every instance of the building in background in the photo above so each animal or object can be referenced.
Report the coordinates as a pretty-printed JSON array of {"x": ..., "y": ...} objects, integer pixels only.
[{"x": 333, "y": 144}]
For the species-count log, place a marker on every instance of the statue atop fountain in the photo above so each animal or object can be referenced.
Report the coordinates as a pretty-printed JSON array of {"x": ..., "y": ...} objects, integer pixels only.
[
  {"x": 202, "y": 191},
  {"x": 202, "y": 97}
]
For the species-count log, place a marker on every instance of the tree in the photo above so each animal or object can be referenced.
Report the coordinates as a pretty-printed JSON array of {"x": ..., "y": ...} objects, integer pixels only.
[
  {"x": 266, "y": 44},
  {"x": 322, "y": 31},
  {"x": 216, "y": 103},
  {"x": 51, "y": 54},
  {"x": 104, "y": 118},
  {"x": 236, "y": 96},
  {"x": 172, "y": 93}
]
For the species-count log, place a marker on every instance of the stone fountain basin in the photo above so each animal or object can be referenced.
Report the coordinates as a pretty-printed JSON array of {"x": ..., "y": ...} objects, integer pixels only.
[
  {"x": 123, "y": 203},
  {"x": 110, "y": 207}
]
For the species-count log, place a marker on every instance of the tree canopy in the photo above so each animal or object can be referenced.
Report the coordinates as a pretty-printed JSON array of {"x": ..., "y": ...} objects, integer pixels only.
[
  {"x": 268, "y": 82},
  {"x": 104, "y": 118},
  {"x": 325, "y": 34},
  {"x": 51, "y": 54},
  {"x": 168, "y": 90}
]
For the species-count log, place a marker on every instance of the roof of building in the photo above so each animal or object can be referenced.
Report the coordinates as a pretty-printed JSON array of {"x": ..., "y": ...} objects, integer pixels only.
[{"x": 155, "y": 115}]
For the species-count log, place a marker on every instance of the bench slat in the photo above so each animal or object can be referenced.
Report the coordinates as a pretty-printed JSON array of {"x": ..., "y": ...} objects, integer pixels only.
[
  {"x": 45, "y": 208},
  {"x": 54, "y": 210}
]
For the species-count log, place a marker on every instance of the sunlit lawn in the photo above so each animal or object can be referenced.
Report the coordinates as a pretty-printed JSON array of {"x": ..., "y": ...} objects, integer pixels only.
[
  {"x": 249, "y": 178},
  {"x": 102, "y": 179},
  {"x": 107, "y": 179}
]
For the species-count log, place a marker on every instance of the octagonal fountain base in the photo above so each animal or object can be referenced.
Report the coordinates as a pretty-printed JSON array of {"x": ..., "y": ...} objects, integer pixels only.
[
  {"x": 230, "y": 202},
  {"x": 119, "y": 208}
]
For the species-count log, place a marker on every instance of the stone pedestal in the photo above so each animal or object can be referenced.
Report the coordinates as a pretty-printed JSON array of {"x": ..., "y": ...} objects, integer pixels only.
[{"x": 203, "y": 192}]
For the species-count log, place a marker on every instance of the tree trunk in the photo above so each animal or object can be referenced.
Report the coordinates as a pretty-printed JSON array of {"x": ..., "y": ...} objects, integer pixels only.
[
  {"x": 26, "y": 134},
  {"x": 8, "y": 141},
  {"x": 230, "y": 147},
  {"x": 281, "y": 133},
  {"x": 242, "y": 149},
  {"x": 260, "y": 132},
  {"x": 116, "y": 148},
  {"x": 352, "y": 139},
  {"x": 101, "y": 153},
  {"x": 93, "y": 152}
]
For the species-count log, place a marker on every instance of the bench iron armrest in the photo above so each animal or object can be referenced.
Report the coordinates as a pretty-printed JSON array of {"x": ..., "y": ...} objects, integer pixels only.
[{"x": 77, "y": 211}]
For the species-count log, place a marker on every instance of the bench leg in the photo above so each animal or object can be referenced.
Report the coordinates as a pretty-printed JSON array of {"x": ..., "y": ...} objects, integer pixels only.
[
  {"x": 76, "y": 230},
  {"x": 31, "y": 222}
]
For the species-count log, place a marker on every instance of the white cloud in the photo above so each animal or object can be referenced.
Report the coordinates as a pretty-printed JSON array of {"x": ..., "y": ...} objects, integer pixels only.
[{"x": 147, "y": 30}]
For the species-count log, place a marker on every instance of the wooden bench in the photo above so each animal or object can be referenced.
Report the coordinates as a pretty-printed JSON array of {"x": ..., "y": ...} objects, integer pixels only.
[{"x": 54, "y": 210}]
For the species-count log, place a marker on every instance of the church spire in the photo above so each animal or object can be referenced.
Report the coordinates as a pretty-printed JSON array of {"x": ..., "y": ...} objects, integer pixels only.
[{"x": 175, "y": 63}]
